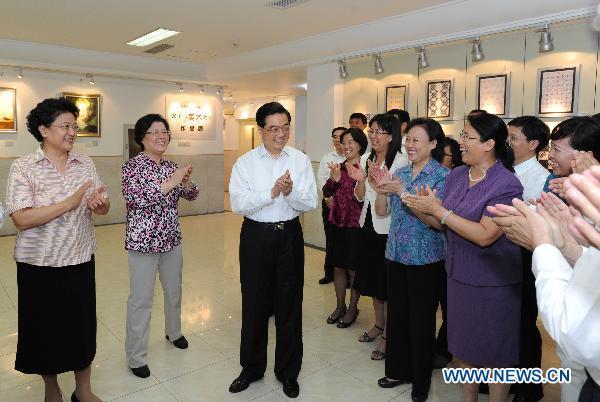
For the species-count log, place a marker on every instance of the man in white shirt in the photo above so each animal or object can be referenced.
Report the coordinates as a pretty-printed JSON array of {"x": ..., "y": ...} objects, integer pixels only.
[
  {"x": 335, "y": 156},
  {"x": 527, "y": 136},
  {"x": 271, "y": 185}
]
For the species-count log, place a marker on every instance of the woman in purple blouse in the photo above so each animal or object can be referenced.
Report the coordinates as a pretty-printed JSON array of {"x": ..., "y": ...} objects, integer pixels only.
[
  {"x": 344, "y": 216},
  {"x": 152, "y": 187},
  {"x": 483, "y": 266}
]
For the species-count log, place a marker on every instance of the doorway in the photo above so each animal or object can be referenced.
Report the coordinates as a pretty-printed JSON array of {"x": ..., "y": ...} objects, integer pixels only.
[{"x": 130, "y": 148}]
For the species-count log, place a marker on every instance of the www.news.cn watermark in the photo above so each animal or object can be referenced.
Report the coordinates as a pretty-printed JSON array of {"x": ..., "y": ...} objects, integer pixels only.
[{"x": 506, "y": 375}]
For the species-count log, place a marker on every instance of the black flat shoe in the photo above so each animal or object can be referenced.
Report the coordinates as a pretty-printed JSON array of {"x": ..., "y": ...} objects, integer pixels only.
[
  {"x": 73, "y": 397},
  {"x": 387, "y": 383},
  {"x": 325, "y": 280},
  {"x": 418, "y": 398},
  {"x": 142, "y": 372},
  {"x": 343, "y": 324},
  {"x": 180, "y": 343},
  {"x": 333, "y": 318},
  {"x": 241, "y": 383},
  {"x": 291, "y": 389}
]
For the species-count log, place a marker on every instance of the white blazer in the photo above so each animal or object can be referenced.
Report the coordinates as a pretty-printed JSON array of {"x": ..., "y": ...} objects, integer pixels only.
[{"x": 380, "y": 224}]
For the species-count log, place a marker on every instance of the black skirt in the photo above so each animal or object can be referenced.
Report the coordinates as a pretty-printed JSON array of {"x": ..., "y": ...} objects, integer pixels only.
[
  {"x": 57, "y": 318},
  {"x": 344, "y": 247},
  {"x": 371, "y": 276}
]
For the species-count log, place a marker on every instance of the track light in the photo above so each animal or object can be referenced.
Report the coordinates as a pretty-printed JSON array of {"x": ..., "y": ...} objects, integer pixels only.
[
  {"x": 546, "y": 42},
  {"x": 343, "y": 70},
  {"x": 219, "y": 91},
  {"x": 423, "y": 62},
  {"x": 235, "y": 105},
  {"x": 90, "y": 78},
  {"x": 180, "y": 86},
  {"x": 378, "y": 64},
  {"x": 251, "y": 103},
  {"x": 20, "y": 73},
  {"x": 477, "y": 50},
  {"x": 202, "y": 89}
]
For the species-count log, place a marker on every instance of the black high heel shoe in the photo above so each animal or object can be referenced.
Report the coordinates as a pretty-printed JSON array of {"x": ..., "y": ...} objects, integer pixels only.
[
  {"x": 333, "y": 318},
  {"x": 343, "y": 324}
]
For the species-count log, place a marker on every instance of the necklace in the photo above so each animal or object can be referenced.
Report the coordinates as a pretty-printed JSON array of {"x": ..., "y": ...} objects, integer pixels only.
[{"x": 481, "y": 178}]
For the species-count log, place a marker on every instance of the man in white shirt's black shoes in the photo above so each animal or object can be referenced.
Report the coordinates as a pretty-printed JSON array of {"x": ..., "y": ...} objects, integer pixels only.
[{"x": 271, "y": 185}]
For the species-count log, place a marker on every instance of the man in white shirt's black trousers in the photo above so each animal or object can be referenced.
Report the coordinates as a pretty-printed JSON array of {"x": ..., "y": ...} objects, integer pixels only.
[{"x": 271, "y": 185}]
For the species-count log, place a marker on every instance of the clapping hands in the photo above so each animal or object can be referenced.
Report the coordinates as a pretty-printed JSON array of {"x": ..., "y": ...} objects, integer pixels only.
[
  {"x": 335, "y": 171},
  {"x": 283, "y": 185},
  {"x": 424, "y": 200},
  {"x": 97, "y": 199}
]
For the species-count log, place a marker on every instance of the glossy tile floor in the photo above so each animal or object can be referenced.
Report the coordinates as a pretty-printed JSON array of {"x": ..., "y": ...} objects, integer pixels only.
[{"x": 335, "y": 368}]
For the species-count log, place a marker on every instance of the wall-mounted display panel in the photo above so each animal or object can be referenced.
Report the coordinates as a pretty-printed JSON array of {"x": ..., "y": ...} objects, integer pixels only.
[
  {"x": 492, "y": 93},
  {"x": 396, "y": 96},
  {"x": 439, "y": 98},
  {"x": 557, "y": 91}
]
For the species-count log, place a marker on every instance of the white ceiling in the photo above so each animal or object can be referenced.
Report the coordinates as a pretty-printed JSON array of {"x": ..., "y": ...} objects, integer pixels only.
[
  {"x": 275, "y": 46},
  {"x": 208, "y": 28}
]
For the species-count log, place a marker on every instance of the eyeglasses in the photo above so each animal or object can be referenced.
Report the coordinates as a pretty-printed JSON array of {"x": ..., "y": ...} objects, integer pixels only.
[
  {"x": 285, "y": 129},
  {"x": 464, "y": 136},
  {"x": 66, "y": 127},
  {"x": 377, "y": 132},
  {"x": 512, "y": 138},
  {"x": 156, "y": 133}
]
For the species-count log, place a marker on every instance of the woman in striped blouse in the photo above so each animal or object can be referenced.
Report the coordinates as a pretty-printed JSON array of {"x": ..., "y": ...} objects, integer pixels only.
[{"x": 51, "y": 196}]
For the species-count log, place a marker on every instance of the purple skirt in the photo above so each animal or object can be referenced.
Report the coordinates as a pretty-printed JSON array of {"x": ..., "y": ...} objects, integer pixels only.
[{"x": 484, "y": 323}]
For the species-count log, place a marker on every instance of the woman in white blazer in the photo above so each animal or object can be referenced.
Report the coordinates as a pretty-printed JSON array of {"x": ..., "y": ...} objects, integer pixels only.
[{"x": 370, "y": 280}]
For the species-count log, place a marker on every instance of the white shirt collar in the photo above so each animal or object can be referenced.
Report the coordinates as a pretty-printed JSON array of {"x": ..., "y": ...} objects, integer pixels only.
[
  {"x": 262, "y": 151},
  {"x": 526, "y": 165}
]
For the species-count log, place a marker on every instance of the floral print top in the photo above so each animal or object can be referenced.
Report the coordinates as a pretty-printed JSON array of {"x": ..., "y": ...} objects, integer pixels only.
[
  {"x": 152, "y": 217},
  {"x": 345, "y": 208},
  {"x": 410, "y": 241}
]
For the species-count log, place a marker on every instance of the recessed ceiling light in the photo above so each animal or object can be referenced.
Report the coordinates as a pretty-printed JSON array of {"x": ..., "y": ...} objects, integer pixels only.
[{"x": 152, "y": 37}]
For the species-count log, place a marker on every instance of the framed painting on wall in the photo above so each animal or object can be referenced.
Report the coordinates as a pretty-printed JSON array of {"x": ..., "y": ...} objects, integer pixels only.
[
  {"x": 557, "y": 91},
  {"x": 492, "y": 93},
  {"x": 8, "y": 110},
  {"x": 395, "y": 97},
  {"x": 439, "y": 98},
  {"x": 89, "y": 113}
]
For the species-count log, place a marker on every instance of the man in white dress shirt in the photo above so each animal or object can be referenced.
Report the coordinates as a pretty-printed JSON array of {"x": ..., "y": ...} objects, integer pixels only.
[
  {"x": 335, "y": 156},
  {"x": 271, "y": 185},
  {"x": 527, "y": 136}
]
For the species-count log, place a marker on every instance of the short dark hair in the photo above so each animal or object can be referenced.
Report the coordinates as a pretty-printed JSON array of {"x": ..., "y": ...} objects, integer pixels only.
[
  {"x": 401, "y": 115},
  {"x": 455, "y": 149},
  {"x": 390, "y": 124},
  {"x": 360, "y": 116},
  {"x": 46, "y": 112},
  {"x": 491, "y": 127},
  {"x": 267, "y": 110},
  {"x": 583, "y": 134},
  {"x": 476, "y": 112},
  {"x": 358, "y": 136},
  {"x": 533, "y": 129},
  {"x": 144, "y": 123},
  {"x": 337, "y": 129},
  {"x": 434, "y": 131}
]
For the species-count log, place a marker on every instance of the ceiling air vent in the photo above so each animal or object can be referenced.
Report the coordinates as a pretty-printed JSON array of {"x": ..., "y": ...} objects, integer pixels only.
[
  {"x": 283, "y": 4},
  {"x": 159, "y": 48}
]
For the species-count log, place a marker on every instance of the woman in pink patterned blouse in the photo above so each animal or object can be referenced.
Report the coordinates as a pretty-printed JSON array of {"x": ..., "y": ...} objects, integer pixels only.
[
  {"x": 344, "y": 217},
  {"x": 51, "y": 196},
  {"x": 152, "y": 187}
]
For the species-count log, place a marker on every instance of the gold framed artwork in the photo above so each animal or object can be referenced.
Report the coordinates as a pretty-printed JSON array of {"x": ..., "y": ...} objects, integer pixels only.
[
  {"x": 8, "y": 110},
  {"x": 89, "y": 113},
  {"x": 395, "y": 97}
]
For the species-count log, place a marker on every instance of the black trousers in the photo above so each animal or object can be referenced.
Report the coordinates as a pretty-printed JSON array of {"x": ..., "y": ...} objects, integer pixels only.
[
  {"x": 441, "y": 342},
  {"x": 531, "y": 340},
  {"x": 271, "y": 274},
  {"x": 413, "y": 293},
  {"x": 590, "y": 392},
  {"x": 327, "y": 266}
]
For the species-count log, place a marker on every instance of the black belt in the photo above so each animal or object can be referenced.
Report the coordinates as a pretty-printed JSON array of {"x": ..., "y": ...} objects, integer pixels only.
[{"x": 272, "y": 225}]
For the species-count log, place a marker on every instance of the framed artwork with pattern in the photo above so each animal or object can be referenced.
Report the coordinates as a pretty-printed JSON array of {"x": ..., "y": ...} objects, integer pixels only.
[
  {"x": 557, "y": 91},
  {"x": 395, "y": 97},
  {"x": 492, "y": 93},
  {"x": 439, "y": 98}
]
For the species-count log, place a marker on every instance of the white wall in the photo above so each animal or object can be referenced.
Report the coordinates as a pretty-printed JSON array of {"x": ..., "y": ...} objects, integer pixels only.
[
  {"x": 123, "y": 102},
  {"x": 301, "y": 120}
]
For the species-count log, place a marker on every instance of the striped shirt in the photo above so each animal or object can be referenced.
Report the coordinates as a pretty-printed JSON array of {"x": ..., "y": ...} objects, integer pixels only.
[{"x": 35, "y": 181}]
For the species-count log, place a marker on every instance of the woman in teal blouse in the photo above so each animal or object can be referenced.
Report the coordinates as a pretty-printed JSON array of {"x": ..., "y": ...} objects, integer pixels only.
[{"x": 415, "y": 253}]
